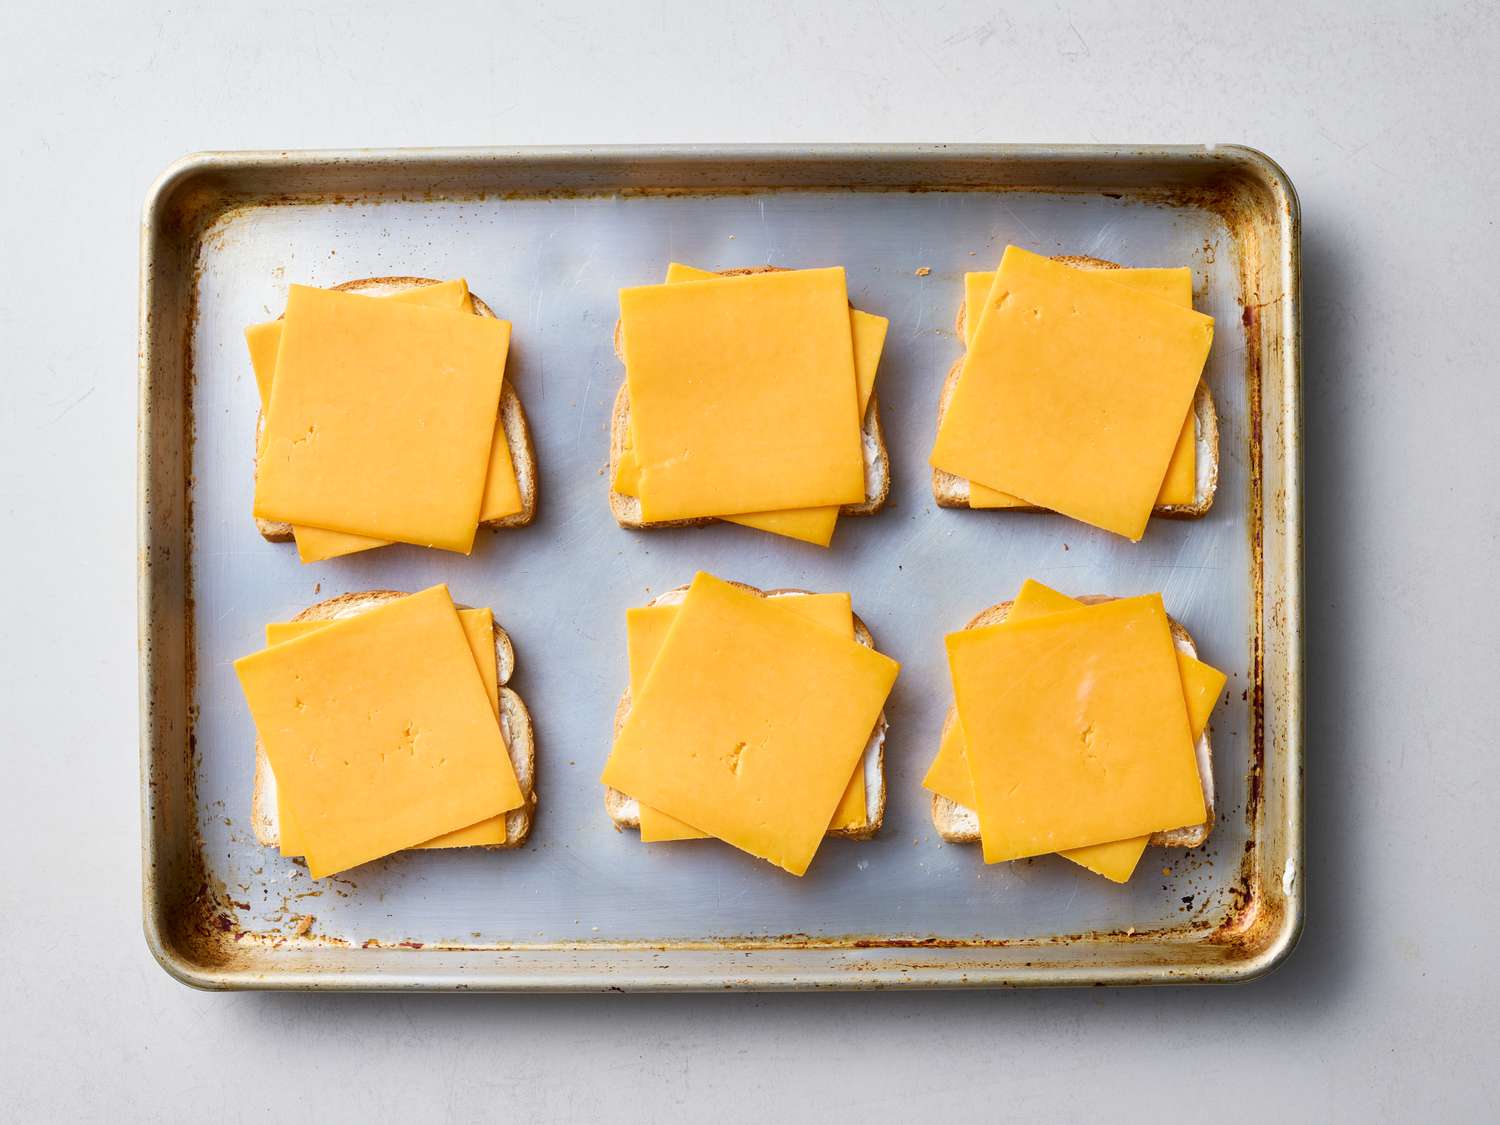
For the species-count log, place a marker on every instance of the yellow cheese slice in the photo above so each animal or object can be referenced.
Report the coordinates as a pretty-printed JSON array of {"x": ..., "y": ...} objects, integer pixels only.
[
  {"x": 949, "y": 774},
  {"x": 759, "y": 760},
  {"x": 646, "y": 629},
  {"x": 1180, "y": 486},
  {"x": 810, "y": 525},
  {"x": 1115, "y": 860},
  {"x": 379, "y": 731},
  {"x": 317, "y": 544},
  {"x": 381, "y": 418},
  {"x": 742, "y": 394},
  {"x": 263, "y": 340},
  {"x": 479, "y": 631},
  {"x": 1075, "y": 728},
  {"x": 502, "y": 489},
  {"x": 1095, "y": 379}
]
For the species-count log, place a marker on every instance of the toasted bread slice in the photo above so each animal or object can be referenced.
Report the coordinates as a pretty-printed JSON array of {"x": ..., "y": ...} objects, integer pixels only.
[
  {"x": 626, "y": 811},
  {"x": 515, "y": 725},
  {"x": 627, "y": 509},
  {"x": 953, "y": 491},
  {"x": 958, "y": 824},
  {"x": 512, "y": 417}
]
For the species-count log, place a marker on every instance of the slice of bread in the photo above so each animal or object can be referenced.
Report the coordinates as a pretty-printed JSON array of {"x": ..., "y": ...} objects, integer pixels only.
[
  {"x": 626, "y": 811},
  {"x": 515, "y": 725},
  {"x": 627, "y": 509},
  {"x": 953, "y": 491},
  {"x": 512, "y": 417},
  {"x": 958, "y": 824}
]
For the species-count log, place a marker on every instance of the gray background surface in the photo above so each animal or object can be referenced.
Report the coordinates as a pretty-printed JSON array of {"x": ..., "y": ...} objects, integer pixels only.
[{"x": 1383, "y": 117}]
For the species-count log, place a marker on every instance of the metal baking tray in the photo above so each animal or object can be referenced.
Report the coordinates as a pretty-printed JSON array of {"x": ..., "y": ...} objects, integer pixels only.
[{"x": 547, "y": 236}]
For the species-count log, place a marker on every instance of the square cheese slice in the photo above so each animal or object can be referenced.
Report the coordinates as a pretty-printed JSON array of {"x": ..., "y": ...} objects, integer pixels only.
[
  {"x": 742, "y": 394},
  {"x": 810, "y": 525},
  {"x": 750, "y": 723},
  {"x": 867, "y": 333},
  {"x": 502, "y": 493},
  {"x": 1075, "y": 728},
  {"x": 949, "y": 774},
  {"x": 1074, "y": 392},
  {"x": 1175, "y": 284},
  {"x": 645, "y": 630},
  {"x": 381, "y": 418},
  {"x": 379, "y": 731},
  {"x": 479, "y": 631}
]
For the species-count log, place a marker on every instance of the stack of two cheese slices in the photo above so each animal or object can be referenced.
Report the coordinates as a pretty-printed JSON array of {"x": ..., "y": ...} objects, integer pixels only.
[
  {"x": 1080, "y": 392},
  {"x": 1080, "y": 727},
  {"x": 753, "y": 718},
  {"x": 385, "y": 722},
  {"x": 748, "y": 397},
  {"x": 387, "y": 420}
]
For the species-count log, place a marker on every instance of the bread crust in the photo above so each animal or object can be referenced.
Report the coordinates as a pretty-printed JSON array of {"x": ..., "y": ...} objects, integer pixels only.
[
  {"x": 515, "y": 720},
  {"x": 512, "y": 418},
  {"x": 627, "y": 509},
  {"x": 950, "y": 491},
  {"x": 959, "y": 825},
  {"x": 623, "y": 810}
]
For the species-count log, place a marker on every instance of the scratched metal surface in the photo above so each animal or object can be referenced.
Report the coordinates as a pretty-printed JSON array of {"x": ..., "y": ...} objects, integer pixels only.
[{"x": 561, "y": 587}]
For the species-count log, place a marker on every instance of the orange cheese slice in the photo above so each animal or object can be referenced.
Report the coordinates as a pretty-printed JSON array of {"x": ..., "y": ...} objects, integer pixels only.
[
  {"x": 1095, "y": 379},
  {"x": 502, "y": 490},
  {"x": 949, "y": 774},
  {"x": 811, "y": 525},
  {"x": 263, "y": 340},
  {"x": 867, "y": 332},
  {"x": 645, "y": 630},
  {"x": 1075, "y": 728},
  {"x": 742, "y": 394},
  {"x": 379, "y": 731},
  {"x": 750, "y": 722},
  {"x": 382, "y": 418},
  {"x": 479, "y": 631},
  {"x": 1180, "y": 486}
]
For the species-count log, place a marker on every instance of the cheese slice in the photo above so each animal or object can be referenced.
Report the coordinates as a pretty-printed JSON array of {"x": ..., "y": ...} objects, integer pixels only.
[
  {"x": 1095, "y": 379},
  {"x": 502, "y": 490},
  {"x": 759, "y": 760},
  {"x": 810, "y": 525},
  {"x": 479, "y": 631},
  {"x": 1180, "y": 486},
  {"x": 381, "y": 418},
  {"x": 949, "y": 774},
  {"x": 317, "y": 544},
  {"x": 379, "y": 731},
  {"x": 645, "y": 630},
  {"x": 742, "y": 394},
  {"x": 1075, "y": 728},
  {"x": 263, "y": 340}
]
